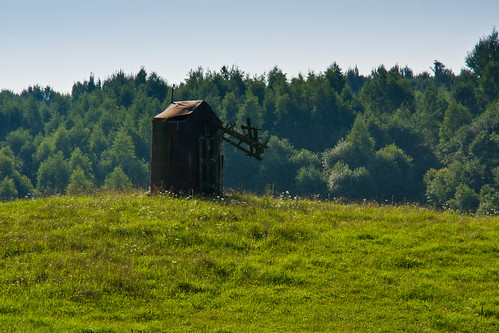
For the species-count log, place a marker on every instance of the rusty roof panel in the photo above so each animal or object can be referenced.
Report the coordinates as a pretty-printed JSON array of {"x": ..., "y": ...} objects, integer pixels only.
[{"x": 178, "y": 109}]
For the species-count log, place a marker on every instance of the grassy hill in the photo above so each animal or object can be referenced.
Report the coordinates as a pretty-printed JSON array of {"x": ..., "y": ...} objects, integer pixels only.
[{"x": 114, "y": 262}]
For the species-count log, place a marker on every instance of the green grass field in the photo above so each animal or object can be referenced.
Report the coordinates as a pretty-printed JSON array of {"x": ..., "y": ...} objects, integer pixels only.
[{"x": 114, "y": 262}]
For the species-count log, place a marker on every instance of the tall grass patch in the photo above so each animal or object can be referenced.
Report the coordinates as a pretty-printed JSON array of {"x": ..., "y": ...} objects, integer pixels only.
[{"x": 117, "y": 262}]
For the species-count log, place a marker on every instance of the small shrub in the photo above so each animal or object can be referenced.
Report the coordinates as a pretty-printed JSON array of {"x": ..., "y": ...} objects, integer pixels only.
[
  {"x": 117, "y": 180},
  {"x": 7, "y": 189}
]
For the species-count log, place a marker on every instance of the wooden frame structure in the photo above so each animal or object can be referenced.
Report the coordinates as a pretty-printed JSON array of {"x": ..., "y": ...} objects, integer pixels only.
[{"x": 186, "y": 148}]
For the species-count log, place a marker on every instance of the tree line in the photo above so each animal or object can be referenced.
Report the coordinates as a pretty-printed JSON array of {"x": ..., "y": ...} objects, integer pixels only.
[{"x": 390, "y": 136}]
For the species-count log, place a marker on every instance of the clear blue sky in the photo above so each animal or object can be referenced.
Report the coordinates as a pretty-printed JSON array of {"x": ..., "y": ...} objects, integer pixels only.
[{"x": 58, "y": 42}]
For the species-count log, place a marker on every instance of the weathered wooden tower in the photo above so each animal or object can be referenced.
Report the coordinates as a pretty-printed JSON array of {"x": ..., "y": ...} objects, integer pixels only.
[{"x": 186, "y": 148}]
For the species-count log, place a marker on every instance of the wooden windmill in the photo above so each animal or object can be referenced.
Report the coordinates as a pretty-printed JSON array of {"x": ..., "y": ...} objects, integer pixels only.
[{"x": 186, "y": 148}]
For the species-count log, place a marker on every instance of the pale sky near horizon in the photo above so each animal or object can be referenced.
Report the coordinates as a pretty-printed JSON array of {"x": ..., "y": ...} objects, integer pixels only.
[{"x": 59, "y": 42}]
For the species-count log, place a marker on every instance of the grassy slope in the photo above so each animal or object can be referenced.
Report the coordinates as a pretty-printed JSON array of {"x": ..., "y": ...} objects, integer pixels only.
[{"x": 122, "y": 262}]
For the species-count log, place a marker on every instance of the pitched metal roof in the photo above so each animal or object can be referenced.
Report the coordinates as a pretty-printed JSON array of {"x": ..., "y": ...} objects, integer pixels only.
[{"x": 177, "y": 109}]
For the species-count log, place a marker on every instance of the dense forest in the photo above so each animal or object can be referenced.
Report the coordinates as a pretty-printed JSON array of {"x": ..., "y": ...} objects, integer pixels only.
[{"x": 391, "y": 136}]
